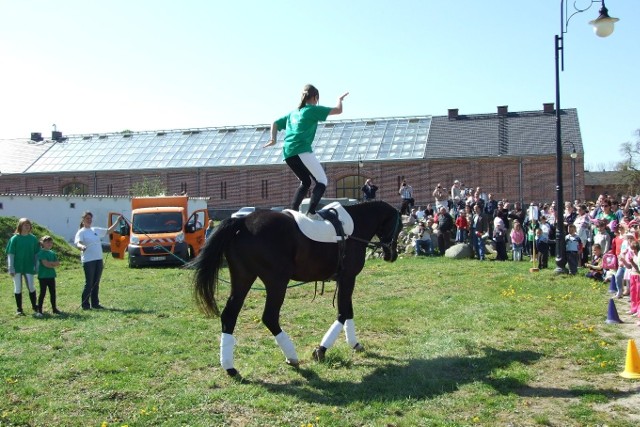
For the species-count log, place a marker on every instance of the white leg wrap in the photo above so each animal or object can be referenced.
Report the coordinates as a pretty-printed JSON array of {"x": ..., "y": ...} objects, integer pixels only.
[
  {"x": 350, "y": 333},
  {"x": 332, "y": 335},
  {"x": 227, "y": 342},
  {"x": 287, "y": 346}
]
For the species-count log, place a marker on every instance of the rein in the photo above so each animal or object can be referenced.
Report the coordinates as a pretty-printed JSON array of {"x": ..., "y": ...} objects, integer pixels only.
[{"x": 375, "y": 245}]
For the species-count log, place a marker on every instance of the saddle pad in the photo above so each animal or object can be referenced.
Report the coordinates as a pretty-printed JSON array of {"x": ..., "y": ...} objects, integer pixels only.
[{"x": 323, "y": 231}]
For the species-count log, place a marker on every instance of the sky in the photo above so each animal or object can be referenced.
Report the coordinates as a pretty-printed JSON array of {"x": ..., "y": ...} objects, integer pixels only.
[{"x": 105, "y": 66}]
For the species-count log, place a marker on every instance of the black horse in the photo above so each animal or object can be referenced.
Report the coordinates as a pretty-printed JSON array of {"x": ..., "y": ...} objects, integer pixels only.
[{"x": 269, "y": 245}]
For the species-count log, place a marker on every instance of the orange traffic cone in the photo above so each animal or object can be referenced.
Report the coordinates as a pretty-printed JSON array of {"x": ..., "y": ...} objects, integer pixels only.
[{"x": 632, "y": 365}]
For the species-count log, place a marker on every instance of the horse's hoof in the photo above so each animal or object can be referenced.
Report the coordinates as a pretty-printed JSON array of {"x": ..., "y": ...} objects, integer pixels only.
[
  {"x": 318, "y": 353},
  {"x": 233, "y": 372},
  {"x": 358, "y": 347},
  {"x": 293, "y": 362}
]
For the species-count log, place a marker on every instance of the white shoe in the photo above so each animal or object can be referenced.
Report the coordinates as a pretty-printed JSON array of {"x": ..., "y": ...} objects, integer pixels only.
[{"x": 314, "y": 216}]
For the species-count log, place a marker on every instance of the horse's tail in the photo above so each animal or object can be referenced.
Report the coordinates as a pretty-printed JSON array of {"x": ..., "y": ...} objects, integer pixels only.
[{"x": 208, "y": 263}]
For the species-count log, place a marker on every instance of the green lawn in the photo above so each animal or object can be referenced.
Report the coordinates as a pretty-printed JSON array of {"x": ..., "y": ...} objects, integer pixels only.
[{"x": 448, "y": 343}]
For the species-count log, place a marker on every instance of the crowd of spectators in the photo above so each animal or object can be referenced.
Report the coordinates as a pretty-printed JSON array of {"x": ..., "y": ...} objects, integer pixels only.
[
  {"x": 477, "y": 218},
  {"x": 600, "y": 236}
]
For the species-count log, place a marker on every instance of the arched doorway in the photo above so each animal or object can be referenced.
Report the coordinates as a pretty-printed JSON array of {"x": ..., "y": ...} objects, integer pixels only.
[{"x": 350, "y": 186}]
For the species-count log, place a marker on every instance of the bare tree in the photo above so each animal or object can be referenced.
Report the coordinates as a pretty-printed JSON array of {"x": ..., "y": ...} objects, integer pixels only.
[{"x": 630, "y": 165}]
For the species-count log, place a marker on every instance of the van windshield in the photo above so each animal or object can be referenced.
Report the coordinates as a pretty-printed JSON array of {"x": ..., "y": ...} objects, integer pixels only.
[{"x": 162, "y": 222}]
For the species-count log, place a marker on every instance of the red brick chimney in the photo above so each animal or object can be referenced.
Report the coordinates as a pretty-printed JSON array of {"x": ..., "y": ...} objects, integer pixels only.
[
  {"x": 503, "y": 110},
  {"x": 453, "y": 113},
  {"x": 548, "y": 107}
]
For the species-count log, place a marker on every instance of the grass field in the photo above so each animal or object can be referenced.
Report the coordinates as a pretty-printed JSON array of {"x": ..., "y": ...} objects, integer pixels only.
[{"x": 448, "y": 343}]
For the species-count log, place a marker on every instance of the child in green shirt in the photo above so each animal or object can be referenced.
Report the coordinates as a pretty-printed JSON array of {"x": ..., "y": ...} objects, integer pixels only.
[
  {"x": 21, "y": 250},
  {"x": 47, "y": 261}
]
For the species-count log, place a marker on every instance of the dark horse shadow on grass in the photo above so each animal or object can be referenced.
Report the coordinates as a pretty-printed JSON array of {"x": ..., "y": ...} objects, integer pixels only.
[{"x": 426, "y": 379}]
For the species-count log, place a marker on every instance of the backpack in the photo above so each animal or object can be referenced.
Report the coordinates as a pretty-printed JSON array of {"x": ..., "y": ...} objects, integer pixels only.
[{"x": 610, "y": 261}]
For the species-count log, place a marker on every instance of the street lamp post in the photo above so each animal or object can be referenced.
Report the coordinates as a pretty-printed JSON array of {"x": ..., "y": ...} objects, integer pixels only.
[
  {"x": 358, "y": 180},
  {"x": 603, "y": 27},
  {"x": 574, "y": 156}
]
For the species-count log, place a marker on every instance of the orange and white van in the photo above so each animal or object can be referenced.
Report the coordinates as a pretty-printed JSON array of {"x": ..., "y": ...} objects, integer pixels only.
[{"x": 160, "y": 232}]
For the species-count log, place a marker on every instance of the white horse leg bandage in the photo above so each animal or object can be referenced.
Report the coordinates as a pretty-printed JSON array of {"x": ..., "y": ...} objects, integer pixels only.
[
  {"x": 350, "y": 332},
  {"x": 287, "y": 347},
  {"x": 227, "y": 342},
  {"x": 332, "y": 335}
]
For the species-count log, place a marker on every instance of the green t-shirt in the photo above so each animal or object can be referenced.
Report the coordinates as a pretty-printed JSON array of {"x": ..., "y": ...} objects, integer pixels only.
[
  {"x": 45, "y": 272},
  {"x": 300, "y": 126},
  {"x": 24, "y": 250}
]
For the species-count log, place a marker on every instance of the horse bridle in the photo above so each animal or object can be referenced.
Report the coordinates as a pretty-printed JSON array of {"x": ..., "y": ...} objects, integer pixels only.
[{"x": 380, "y": 244}]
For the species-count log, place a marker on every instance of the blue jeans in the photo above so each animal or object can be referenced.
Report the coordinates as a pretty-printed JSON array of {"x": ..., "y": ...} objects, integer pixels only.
[
  {"x": 619, "y": 280},
  {"x": 427, "y": 245},
  {"x": 479, "y": 247},
  {"x": 461, "y": 235},
  {"x": 517, "y": 252},
  {"x": 92, "y": 275}
]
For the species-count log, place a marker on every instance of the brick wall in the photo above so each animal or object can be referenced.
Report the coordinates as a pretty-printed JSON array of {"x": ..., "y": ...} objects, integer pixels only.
[{"x": 274, "y": 185}]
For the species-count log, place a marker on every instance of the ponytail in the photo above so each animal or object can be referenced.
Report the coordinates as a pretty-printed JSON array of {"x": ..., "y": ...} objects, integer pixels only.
[{"x": 309, "y": 91}]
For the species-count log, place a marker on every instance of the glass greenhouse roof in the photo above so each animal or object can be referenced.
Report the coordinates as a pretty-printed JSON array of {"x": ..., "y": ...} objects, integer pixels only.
[{"x": 336, "y": 141}]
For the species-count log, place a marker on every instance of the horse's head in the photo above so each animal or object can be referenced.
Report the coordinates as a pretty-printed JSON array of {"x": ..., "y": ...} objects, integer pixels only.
[{"x": 388, "y": 235}]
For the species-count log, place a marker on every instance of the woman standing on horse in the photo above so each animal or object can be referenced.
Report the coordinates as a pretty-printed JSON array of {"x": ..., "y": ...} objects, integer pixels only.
[{"x": 300, "y": 128}]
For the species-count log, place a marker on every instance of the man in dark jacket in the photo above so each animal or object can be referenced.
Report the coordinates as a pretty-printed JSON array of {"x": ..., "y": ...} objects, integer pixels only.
[
  {"x": 369, "y": 190},
  {"x": 518, "y": 213},
  {"x": 479, "y": 231},
  {"x": 445, "y": 228}
]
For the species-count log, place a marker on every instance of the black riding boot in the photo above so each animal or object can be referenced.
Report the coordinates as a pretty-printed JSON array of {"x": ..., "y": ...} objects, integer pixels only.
[
  {"x": 34, "y": 301},
  {"x": 19, "y": 302},
  {"x": 298, "y": 197},
  {"x": 316, "y": 195}
]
